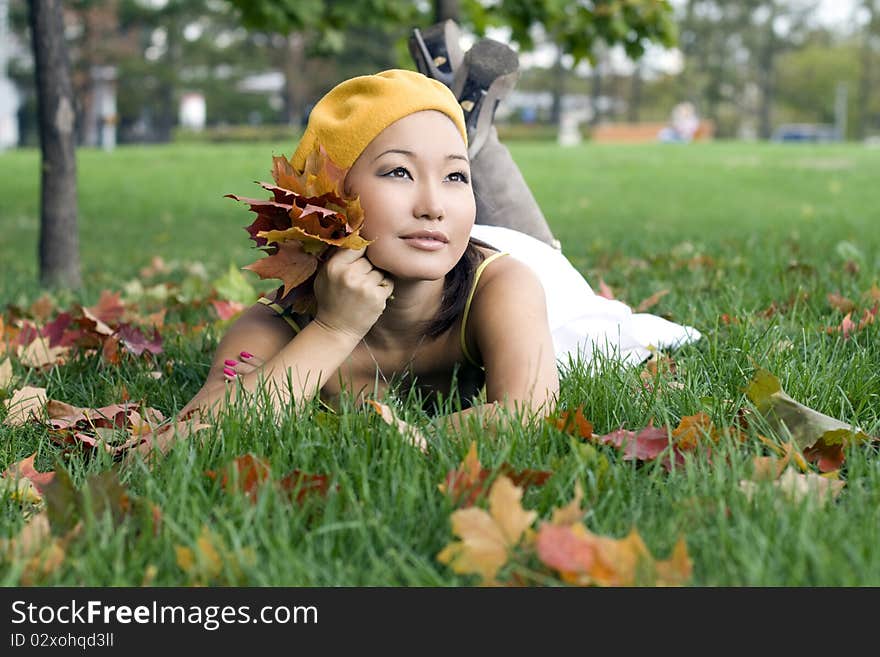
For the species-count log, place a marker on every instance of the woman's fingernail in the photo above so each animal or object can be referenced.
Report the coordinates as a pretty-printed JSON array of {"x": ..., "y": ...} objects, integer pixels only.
[
  {"x": 230, "y": 362},
  {"x": 228, "y": 372},
  {"x": 246, "y": 354}
]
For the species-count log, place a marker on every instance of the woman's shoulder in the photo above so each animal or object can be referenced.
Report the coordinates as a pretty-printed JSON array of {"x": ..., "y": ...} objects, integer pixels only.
[
  {"x": 507, "y": 285},
  {"x": 505, "y": 272}
]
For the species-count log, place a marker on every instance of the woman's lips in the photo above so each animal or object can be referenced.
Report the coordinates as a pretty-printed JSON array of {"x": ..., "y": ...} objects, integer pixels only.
[{"x": 424, "y": 243}]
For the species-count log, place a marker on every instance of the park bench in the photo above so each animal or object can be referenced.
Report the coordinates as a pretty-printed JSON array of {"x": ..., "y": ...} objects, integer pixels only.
[{"x": 643, "y": 132}]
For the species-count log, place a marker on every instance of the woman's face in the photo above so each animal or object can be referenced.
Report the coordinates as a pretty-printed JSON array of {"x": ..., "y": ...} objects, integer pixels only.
[{"x": 414, "y": 177}]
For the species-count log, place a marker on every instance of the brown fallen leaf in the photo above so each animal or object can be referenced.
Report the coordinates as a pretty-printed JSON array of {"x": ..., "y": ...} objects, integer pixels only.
[
  {"x": 5, "y": 373},
  {"x": 573, "y": 423},
  {"x": 796, "y": 486},
  {"x": 841, "y": 303},
  {"x": 26, "y": 404},
  {"x": 410, "y": 433},
  {"x": 651, "y": 301},
  {"x": 466, "y": 484},
  {"x": 822, "y": 436},
  {"x": 246, "y": 474},
  {"x": 38, "y": 354}
]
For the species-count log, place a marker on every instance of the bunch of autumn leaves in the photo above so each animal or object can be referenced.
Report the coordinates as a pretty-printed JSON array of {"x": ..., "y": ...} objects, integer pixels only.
[{"x": 308, "y": 214}]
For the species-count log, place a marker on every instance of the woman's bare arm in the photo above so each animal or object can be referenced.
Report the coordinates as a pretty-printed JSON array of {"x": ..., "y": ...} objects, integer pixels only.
[
  {"x": 257, "y": 330},
  {"x": 508, "y": 320}
]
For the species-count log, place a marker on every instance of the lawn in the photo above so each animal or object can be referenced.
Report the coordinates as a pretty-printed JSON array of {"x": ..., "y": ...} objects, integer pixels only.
[{"x": 748, "y": 239}]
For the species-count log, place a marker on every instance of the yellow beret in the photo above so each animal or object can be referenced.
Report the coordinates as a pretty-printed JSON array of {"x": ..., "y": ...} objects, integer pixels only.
[{"x": 355, "y": 111}]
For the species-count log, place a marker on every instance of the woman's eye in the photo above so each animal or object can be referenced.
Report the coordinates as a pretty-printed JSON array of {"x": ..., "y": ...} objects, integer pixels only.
[
  {"x": 398, "y": 172},
  {"x": 459, "y": 176}
]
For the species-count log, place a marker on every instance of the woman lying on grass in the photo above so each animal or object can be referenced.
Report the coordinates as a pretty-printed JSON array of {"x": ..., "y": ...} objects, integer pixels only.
[
  {"x": 403, "y": 306},
  {"x": 430, "y": 302}
]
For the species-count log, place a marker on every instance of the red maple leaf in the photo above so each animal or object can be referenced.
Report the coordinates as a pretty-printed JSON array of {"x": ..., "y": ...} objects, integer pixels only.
[{"x": 133, "y": 340}]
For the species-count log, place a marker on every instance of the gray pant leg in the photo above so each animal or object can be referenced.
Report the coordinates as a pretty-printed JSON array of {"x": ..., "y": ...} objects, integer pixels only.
[{"x": 503, "y": 197}]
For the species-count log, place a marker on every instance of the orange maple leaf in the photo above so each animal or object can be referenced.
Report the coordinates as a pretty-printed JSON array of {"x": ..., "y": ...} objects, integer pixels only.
[
  {"x": 586, "y": 559},
  {"x": 573, "y": 423},
  {"x": 290, "y": 263}
]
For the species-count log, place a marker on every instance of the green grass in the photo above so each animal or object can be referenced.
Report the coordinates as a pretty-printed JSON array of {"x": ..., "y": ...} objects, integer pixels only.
[{"x": 729, "y": 229}]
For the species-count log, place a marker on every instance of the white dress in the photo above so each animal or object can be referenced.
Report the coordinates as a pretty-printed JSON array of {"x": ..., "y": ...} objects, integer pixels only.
[{"x": 583, "y": 323}]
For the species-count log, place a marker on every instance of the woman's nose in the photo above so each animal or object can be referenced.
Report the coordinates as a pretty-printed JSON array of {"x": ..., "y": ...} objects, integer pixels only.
[{"x": 429, "y": 204}]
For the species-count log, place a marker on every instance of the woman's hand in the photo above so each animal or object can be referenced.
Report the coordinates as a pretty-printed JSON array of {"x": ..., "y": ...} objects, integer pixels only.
[
  {"x": 245, "y": 364},
  {"x": 351, "y": 293}
]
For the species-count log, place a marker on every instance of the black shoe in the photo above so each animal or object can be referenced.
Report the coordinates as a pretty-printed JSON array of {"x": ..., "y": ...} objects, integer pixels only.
[
  {"x": 487, "y": 74},
  {"x": 436, "y": 51}
]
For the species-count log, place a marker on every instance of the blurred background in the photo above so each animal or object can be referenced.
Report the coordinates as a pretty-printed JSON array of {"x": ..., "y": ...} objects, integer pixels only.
[{"x": 147, "y": 71}]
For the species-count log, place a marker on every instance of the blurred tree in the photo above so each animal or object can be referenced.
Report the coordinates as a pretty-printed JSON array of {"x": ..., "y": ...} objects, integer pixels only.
[
  {"x": 870, "y": 47},
  {"x": 96, "y": 44},
  {"x": 731, "y": 48},
  {"x": 315, "y": 28},
  {"x": 808, "y": 77},
  {"x": 580, "y": 30},
  {"x": 779, "y": 26},
  {"x": 59, "y": 236},
  {"x": 164, "y": 56}
]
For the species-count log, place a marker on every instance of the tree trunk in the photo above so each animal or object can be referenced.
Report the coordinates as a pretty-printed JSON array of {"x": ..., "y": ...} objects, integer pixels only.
[
  {"x": 168, "y": 86},
  {"x": 635, "y": 100},
  {"x": 446, "y": 9},
  {"x": 295, "y": 82},
  {"x": 687, "y": 50},
  {"x": 865, "y": 74},
  {"x": 558, "y": 88},
  {"x": 766, "y": 81},
  {"x": 596, "y": 92},
  {"x": 59, "y": 241}
]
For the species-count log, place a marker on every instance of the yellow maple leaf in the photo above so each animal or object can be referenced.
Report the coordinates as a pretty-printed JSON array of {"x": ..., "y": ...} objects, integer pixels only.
[{"x": 487, "y": 538}]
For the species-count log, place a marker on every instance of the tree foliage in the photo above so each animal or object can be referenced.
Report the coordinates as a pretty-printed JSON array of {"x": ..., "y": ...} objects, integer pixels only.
[
  {"x": 327, "y": 21},
  {"x": 578, "y": 27}
]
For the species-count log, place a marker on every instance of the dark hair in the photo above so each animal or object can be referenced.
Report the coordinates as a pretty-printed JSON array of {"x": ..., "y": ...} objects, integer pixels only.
[{"x": 456, "y": 288}]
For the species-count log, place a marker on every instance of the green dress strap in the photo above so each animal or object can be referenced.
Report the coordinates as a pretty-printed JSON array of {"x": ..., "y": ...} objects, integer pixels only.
[
  {"x": 280, "y": 311},
  {"x": 467, "y": 306}
]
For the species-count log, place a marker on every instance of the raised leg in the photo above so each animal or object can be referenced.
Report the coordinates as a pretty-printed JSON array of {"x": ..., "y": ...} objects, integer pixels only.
[{"x": 485, "y": 76}]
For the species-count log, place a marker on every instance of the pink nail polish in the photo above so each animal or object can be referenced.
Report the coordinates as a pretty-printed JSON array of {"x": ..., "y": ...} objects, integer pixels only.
[
  {"x": 230, "y": 362},
  {"x": 228, "y": 372},
  {"x": 246, "y": 354}
]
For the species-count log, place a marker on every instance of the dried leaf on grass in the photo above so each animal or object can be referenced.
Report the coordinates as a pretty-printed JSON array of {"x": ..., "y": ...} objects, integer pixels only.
[
  {"x": 822, "y": 438},
  {"x": 466, "y": 484},
  {"x": 486, "y": 538},
  {"x": 24, "y": 482},
  {"x": 247, "y": 474},
  {"x": 411, "y": 434},
  {"x": 24, "y": 405},
  {"x": 796, "y": 486}
]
